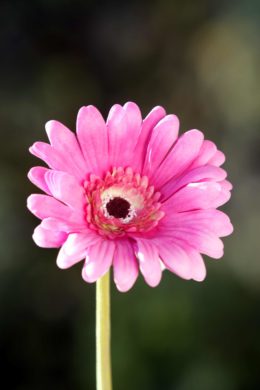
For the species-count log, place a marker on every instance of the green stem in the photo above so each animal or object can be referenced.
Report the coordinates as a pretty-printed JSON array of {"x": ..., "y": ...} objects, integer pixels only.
[{"x": 103, "y": 357}]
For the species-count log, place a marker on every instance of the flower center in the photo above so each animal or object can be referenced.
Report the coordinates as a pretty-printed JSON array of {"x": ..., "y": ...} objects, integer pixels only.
[
  {"x": 118, "y": 207},
  {"x": 121, "y": 203}
]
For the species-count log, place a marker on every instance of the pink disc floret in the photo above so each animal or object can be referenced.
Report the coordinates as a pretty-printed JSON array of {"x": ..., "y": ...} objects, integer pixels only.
[{"x": 136, "y": 204}]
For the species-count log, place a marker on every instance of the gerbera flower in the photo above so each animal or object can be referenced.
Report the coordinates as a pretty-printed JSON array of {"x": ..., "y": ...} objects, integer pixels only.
[{"x": 130, "y": 193}]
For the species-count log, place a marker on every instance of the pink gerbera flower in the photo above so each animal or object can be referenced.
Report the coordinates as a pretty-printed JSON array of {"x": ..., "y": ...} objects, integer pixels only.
[{"x": 130, "y": 193}]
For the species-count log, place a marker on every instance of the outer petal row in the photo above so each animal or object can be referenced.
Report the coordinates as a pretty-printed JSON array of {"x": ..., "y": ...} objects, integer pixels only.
[
  {"x": 101, "y": 254},
  {"x": 122, "y": 141}
]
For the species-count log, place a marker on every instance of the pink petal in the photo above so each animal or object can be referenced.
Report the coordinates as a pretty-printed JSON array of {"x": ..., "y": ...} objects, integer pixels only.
[
  {"x": 198, "y": 229},
  {"x": 98, "y": 260},
  {"x": 134, "y": 118},
  {"x": 149, "y": 122},
  {"x": 44, "y": 206},
  {"x": 226, "y": 185},
  {"x": 220, "y": 223},
  {"x": 67, "y": 226},
  {"x": 149, "y": 262},
  {"x": 182, "y": 260},
  {"x": 207, "y": 151},
  {"x": 55, "y": 159},
  {"x": 198, "y": 268},
  {"x": 210, "y": 220},
  {"x": 202, "y": 241},
  {"x": 163, "y": 137},
  {"x": 124, "y": 126},
  {"x": 206, "y": 173},
  {"x": 202, "y": 195},
  {"x": 48, "y": 238},
  {"x": 92, "y": 135},
  {"x": 218, "y": 159},
  {"x": 175, "y": 258},
  {"x": 75, "y": 248},
  {"x": 180, "y": 157},
  {"x": 36, "y": 176},
  {"x": 65, "y": 188},
  {"x": 217, "y": 221},
  {"x": 125, "y": 265},
  {"x": 63, "y": 140}
]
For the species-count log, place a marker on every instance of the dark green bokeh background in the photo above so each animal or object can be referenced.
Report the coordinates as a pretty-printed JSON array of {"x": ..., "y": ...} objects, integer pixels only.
[{"x": 200, "y": 60}]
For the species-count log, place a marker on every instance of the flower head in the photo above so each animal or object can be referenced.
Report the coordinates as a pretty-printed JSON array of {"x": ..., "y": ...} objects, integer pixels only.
[{"x": 130, "y": 193}]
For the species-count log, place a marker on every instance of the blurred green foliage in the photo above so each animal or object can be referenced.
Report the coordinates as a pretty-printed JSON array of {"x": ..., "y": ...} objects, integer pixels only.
[{"x": 200, "y": 59}]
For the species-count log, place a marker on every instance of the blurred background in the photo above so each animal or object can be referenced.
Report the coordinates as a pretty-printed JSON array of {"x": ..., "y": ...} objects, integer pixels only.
[{"x": 199, "y": 59}]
